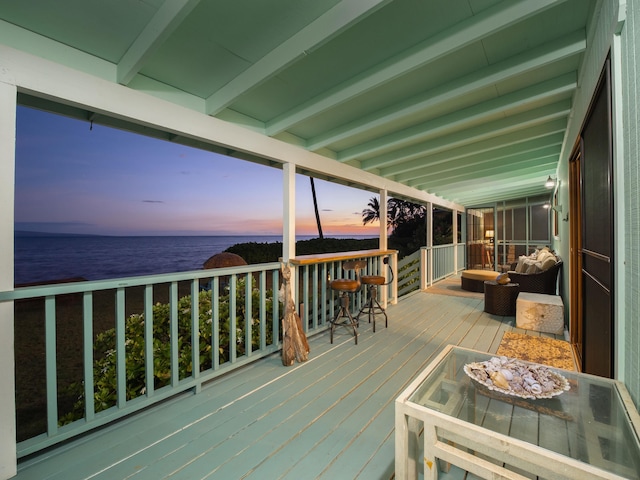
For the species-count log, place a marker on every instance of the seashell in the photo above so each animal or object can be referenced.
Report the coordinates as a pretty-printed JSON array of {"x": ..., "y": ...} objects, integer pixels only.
[
  {"x": 512, "y": 377},
  {"x": 495, "y": 361},
  {"x": 508, "y": 376},
  {"x": 499, "y": 380},
  {"x": 536, "y": 389}
]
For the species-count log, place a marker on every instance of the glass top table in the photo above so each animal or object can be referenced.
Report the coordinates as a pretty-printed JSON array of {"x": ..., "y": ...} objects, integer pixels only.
[{"x": 591, "y": 430}]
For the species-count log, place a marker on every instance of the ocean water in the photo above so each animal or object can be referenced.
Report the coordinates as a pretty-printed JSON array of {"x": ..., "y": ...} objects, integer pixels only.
[{"x": 48, "y": 258}]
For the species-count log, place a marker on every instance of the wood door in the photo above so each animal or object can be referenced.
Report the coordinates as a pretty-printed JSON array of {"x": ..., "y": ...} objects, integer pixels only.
[
  {"x": 575, "y": 252},
  {"x": 596, "y": 254}
]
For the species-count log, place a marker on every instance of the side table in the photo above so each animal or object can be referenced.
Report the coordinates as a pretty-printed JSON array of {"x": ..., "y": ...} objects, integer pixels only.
[{"x": 500, "y": 299}]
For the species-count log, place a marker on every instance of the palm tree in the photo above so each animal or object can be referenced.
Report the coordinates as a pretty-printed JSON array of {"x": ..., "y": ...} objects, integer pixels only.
[
  {"x": 371, "y": 214},
  {"x": 315, "y": 207},
  {"x": 399, "y": 212}
]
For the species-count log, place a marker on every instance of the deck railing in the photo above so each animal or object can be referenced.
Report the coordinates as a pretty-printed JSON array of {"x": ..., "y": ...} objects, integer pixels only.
[
  {"x": 317, "y": 302},
  {"x": 440, "y": 261},
  {"x": 234, "y": 305},
  {"x": 231, "y": 314}
]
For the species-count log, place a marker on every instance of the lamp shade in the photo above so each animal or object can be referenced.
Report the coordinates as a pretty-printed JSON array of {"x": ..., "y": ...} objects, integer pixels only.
[
  {"x": 489, "y": 234},
  {"x": 550, "y": 183}
]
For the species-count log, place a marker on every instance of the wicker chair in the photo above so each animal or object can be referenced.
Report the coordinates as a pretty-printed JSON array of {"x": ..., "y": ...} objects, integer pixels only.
[{"x": 541, "y": 282}]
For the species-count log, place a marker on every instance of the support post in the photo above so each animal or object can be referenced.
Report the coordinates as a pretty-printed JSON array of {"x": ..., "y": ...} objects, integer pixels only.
[
  {"x": 454, "y": 222},
  {"x": 429, "y": 243},
  {"x": 8, "y": 449}
]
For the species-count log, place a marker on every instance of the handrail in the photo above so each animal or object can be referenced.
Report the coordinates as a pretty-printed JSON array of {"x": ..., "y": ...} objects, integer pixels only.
[
  {"x": 339, "y": 256},
  {"x": 187, "y": 326},
  {"x": 440, "y": 261},
  {"x": 313, "y": 272},
  {"x": 250, "y": 288},
  {"x": 249, "y": 338}
]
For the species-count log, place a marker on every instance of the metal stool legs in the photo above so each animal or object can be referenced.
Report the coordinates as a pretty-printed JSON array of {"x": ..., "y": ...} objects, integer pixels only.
[
  {"x": 343, "y": 312},
  {"x": 373, "y": 308}
]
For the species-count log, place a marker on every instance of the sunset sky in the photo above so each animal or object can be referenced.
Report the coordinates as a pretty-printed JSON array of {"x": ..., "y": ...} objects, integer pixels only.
[{"x": 70, "y": 179}]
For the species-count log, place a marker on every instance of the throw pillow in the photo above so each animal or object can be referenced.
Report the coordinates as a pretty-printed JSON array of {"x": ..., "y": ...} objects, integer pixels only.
[
  {"x": 520, "y": 267},
  {"x": 548, "y": 262},
  {"x": 543, "y": 255},
  {"x": 534, "y": 267}
]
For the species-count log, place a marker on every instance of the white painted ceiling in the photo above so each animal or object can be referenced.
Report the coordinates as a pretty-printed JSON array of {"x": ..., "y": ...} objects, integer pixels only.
[{"x": 465, "y": 99}]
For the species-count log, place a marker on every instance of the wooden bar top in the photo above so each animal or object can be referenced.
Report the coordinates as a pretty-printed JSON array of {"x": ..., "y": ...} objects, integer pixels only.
[{"x": 337, "y": 256}]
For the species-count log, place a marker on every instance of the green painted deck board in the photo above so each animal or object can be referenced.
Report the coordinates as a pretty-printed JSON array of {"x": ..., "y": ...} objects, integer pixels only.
[{"x": 331, "y": 417}]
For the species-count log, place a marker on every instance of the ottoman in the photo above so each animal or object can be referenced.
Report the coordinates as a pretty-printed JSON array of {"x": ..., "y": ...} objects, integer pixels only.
[
  {"x": 473, "y": 280},
  {"x": 540, "y": 312},
  {"x": 500, "y": 299}
]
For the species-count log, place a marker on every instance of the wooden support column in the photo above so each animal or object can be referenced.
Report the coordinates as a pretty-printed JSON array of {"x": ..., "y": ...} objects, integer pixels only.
[
  {"x": 454, "y": 220},
  {"x": 288, "y": 212},
  {"x": 8, "y": 457},
  {"x": 382, "y": 245},
  {"x": 289, "y": 225},
  {"x": 383, "y": 220},
  {"x": 429, "y": 243}
]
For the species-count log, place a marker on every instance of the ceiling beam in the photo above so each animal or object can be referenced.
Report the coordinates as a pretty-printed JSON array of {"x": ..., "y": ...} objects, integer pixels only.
[
  {"x": 460, "y": 169},
  {"x": 498, "y": 177},
  {"x": 319, "y": 32},
  {"x": 484, "y": 111},
  {"x": 483, "y": 131},
  {"x": 473, "y": 150},
  {"x": 497, "y": 169},
  {"x": 168, "y": 17},
  {"x": 555, "y": 51},
  {"x": 482, "y": 197},
  {"x": 489, "y": 21},
  {"x": 537, "y": 147}
]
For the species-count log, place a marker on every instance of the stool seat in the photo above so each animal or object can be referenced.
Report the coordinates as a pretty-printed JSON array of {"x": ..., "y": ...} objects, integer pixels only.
[
  {"x": 373, "y": 307},
  {"x": 373, "y": 280},
  {"x": 345, "y": 285}
]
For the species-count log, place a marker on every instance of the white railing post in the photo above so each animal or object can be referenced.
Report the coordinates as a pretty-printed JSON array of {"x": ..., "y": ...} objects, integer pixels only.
[
  {"x": 394, "y": 284},
  {"x": 454, "y": 219},
  {"x": 8, "y": 449},
  {"x": 289, "y": 225},
  {"x": 423, "y": 268}
]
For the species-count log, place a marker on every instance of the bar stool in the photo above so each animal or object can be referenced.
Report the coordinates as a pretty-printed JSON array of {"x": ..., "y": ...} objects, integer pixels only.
[
  {"x": 372, "y": 307},
  {"x": 345, "y": 286}
]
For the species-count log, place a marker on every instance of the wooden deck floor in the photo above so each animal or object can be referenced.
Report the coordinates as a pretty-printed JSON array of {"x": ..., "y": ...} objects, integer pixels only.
[{"x": 331, "y": 417}]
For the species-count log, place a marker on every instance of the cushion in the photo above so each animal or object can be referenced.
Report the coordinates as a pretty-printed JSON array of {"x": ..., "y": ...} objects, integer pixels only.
[
  {"x": 548, "y": 262},
  {"x": 520, "y": 268},
  {"x": 534, "y": 267},
  {"x": 543, "y": 255},
  {"x": 479, "y": 274}
]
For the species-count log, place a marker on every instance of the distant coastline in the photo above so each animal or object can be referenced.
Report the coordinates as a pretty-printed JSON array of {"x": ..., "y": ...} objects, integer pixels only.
[
  {"x": 28, "y": 233},
  {"x": 47, "y": 257}
]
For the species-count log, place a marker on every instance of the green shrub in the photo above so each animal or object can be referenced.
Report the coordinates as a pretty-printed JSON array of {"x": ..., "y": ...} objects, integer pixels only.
[
  {"x": 255, "y": 252},
  {"x": 104, "y": 368}
]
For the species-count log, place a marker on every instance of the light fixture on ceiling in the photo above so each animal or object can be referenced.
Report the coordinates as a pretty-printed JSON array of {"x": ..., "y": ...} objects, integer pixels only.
[{"x": 550, "y": 183}]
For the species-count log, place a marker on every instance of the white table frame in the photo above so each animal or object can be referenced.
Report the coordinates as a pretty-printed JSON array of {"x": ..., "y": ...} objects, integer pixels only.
[{"x": 462, "y": 438}]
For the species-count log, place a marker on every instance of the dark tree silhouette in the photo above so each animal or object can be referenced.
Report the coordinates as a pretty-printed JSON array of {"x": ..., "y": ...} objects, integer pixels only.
[
  {"x": 315, "y": 207},
  {"x": 398, "y": 212},
  {"x": 407, "y": 221},
  {"x": 372, "y": 213}
]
